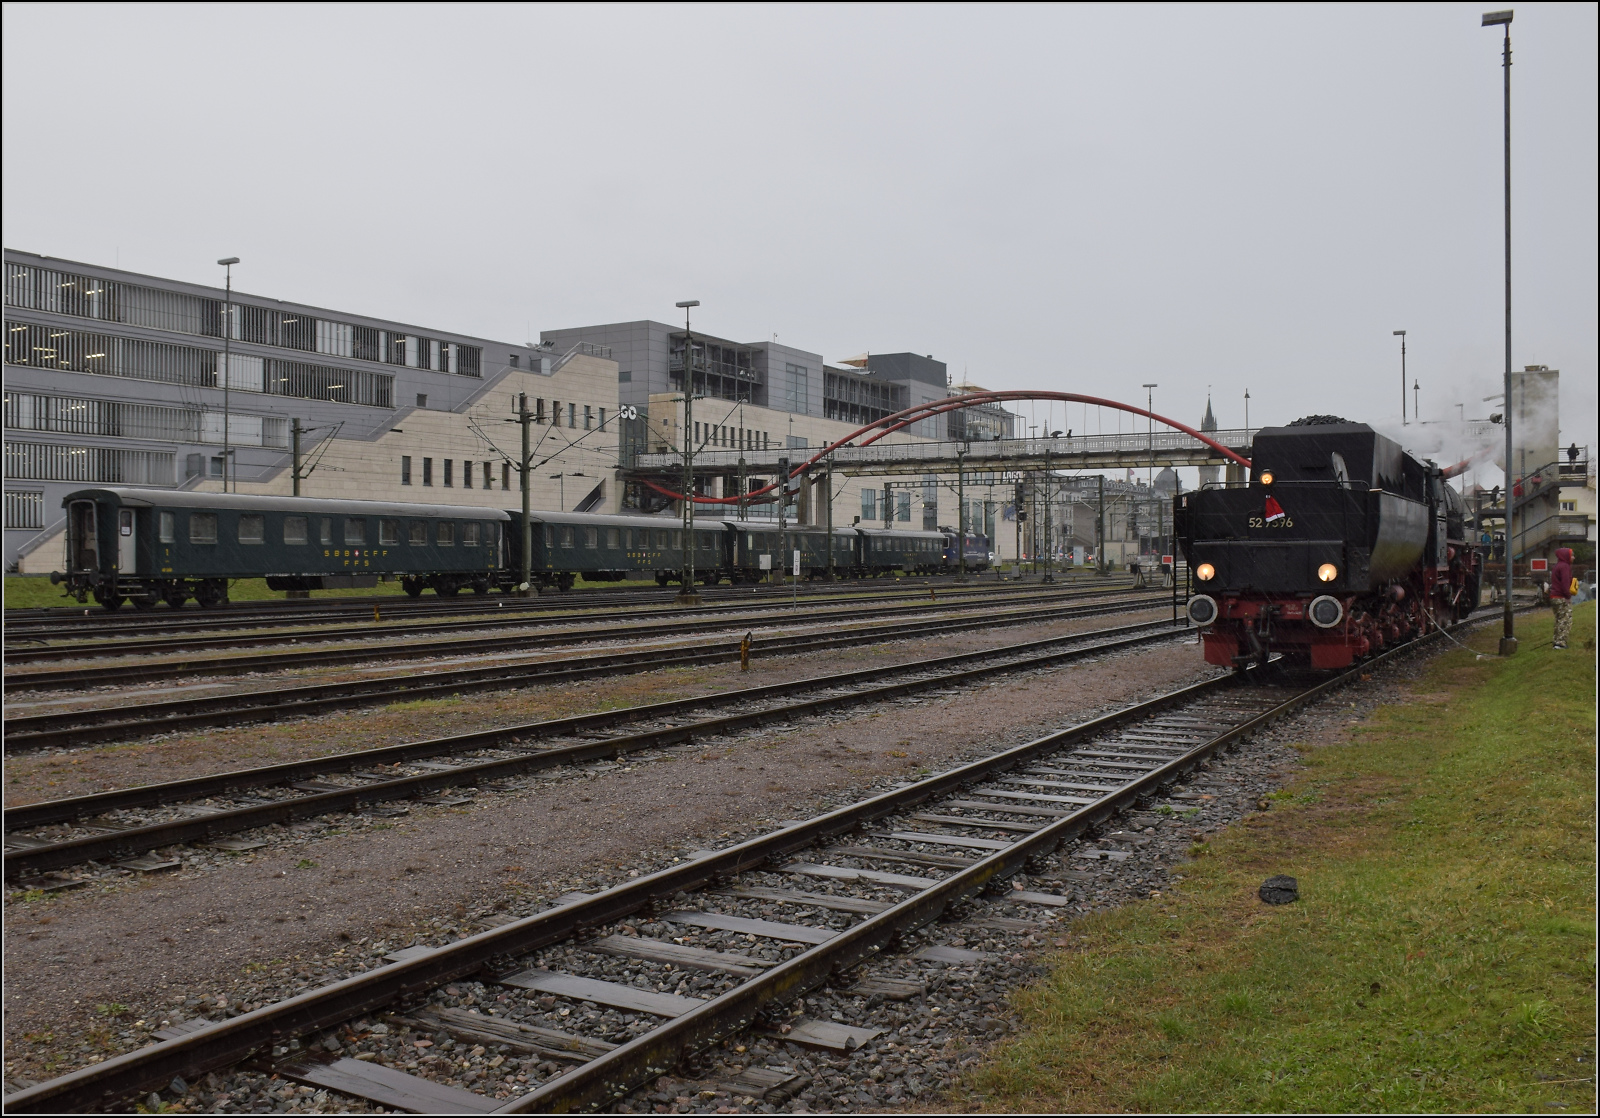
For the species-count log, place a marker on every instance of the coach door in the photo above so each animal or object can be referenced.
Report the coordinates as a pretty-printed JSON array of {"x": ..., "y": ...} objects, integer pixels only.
[
  {"x": 127, "y": 542},
  {"x": 83, "y": 546}
]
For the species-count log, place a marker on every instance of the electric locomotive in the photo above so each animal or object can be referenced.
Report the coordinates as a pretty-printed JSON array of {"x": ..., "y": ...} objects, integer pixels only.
[{"x": 1340, "y": 545}]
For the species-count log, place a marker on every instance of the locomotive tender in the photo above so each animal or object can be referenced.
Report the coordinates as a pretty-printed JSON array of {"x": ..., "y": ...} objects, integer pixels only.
[
  {"x": 150, "y": 546},
  {"x": 1340, "y": 545}
]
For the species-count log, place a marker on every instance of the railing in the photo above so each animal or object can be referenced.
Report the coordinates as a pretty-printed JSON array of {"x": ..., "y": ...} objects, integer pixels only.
[
  {"x": 588, "y": 349},
  {"x": 943, "y": 457}
]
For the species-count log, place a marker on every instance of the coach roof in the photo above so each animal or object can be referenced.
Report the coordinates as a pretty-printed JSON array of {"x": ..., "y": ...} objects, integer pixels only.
[{"x": 252, "y": 502}]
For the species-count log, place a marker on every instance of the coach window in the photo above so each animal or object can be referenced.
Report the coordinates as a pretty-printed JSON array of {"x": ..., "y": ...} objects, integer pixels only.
[
  {"x": 202, "y": 527},
  {"x": 405, "y": 469},
  {"x": 613, "y": 538},
  {"x": 168, "y": 528},
  {"x": 447, "y": 534},
  {"x": 355, "y": 530},
  {"x": 419, "y": 533},
  {"x": 572, "y": 415},
  {"x": 470, "y": 534},
  {"x": 591, "y": 538},
  {"x": 568, "y": 537},
  {"x": 252, "y": 528},
  {"x": 325, "y": 532},
  {"x": 677, "y": 540},
  {"x": 448, "y": 463},
  {"x": 294, "y": 529},
  {"x": 388, "y": 532},
  {"x": 427, "y": 471}
]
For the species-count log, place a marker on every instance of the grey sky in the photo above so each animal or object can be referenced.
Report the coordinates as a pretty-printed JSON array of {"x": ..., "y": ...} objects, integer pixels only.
[{"x": 1082, "y": 199}]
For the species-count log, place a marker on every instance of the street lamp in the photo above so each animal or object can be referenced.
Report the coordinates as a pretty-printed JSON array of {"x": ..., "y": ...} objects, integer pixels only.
[
  {"x": 227, "y": 371},
  {"x": 1150, "y": 467},
  {"x": 561, "y": 478},
  {"x": 1402, "y": 336},
  {"x": 1508, "y": 642},
  {"x": 687, "y": 596},
  {"x": 1416, "y": 400}
]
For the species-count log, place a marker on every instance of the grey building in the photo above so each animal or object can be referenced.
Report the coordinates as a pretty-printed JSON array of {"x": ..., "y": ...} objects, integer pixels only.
[
  {"x": 117, "y": 378},
  {"x": 650, "y": 357}
]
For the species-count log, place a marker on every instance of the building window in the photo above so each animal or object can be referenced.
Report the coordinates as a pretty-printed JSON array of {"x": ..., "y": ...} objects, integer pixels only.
[
  {"x": 216, "y": 465},
  {"x": 294, "y": 530},
  {"x": 355, "y": 531},
  {"x": 25, "y": 509},
  {"x": 588, "y": 418},
  {"x": 505, "y": 475},
  {"x": 625, "y": 376},
  {"x": 405, "y": 469},
  {"x": 422, "y": 399},
  {"x": 799, "y": 393},
  {"x": 466, "y": 473},
  {"x": 427, "y": 471},
  {"x": 449, "y": 465},
  {"x": 555, "y": 413},
  {"x": 252, "y": 528},
  {"x": 572, "y": 415},
  {"x": 202, "y": 527},
  {"x": 389, "y": 532},
  {"x": 538, "y": 410},
  {"x": 488, "y": 474},
  {"x": 167, "y": 527},
  {"x": 514, "y": 361},
  {"x": 602, "y": 419},
  {"x": 902, "y": 506},
  {"x": 419, "y": 533}
]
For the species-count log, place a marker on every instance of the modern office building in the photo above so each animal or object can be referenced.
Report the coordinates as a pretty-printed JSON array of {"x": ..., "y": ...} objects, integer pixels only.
[{"x": 115, "y": 378}]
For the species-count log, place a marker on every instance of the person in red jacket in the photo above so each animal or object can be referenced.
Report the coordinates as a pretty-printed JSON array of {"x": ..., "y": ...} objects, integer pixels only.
[{"x": 1561, "y": 595}]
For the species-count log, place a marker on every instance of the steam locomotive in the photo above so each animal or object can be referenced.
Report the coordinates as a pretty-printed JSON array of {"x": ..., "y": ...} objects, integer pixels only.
[{"x": 1340, "y": 545}]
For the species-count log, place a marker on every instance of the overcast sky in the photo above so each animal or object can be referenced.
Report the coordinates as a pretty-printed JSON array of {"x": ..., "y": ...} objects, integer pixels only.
[{"x": 1072, "y": 198}]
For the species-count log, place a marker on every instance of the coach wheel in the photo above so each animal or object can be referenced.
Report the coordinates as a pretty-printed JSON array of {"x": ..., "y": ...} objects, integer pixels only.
[
  {"x": 412, "y": 587},
  {"x": 145, "y": 601},
  {"x": 211, "y": 594},
  {"x": 175, "y": 598},
  {"x": 447, "y": 588},
  {"x": 480, "y": 587},
  {"x": 110, "y": 601},
  {"x": 661, "y": 578}
]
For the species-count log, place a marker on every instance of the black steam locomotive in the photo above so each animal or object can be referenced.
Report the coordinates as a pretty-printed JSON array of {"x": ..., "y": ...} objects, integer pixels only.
[{"x": 1341, "y": 544}]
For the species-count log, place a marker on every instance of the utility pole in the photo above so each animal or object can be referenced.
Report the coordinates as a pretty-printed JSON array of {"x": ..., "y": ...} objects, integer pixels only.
[
  {"x": 296, "y": 431},
  {"x": 526, "y": 419},
  {"x": 961, "y": 511},
  {"x": 1508, "y": 642},
  {"x": 1018, "y": 516},
  {"x": 1048, "y": 577},
  {"x": 783, "y": 522},
  {"x": 687, "y": 596},
  {"x": 1100, "y": 526},
  {"x": 227, "y": 370},
  {"x": 827, "y": 499}
]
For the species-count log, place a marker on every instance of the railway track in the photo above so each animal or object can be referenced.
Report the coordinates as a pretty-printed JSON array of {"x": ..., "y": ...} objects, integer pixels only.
[
  {"x": 123, "y": 646},
  {"x": 87, "y": 623},
  {"x": 204, "y": 808},
  {"x": 111, "y": 723},
  {"x": 854, "y": 904}
]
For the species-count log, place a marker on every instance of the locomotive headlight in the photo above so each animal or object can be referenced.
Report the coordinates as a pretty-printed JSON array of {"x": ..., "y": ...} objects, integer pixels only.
[
  {"x": 1327, "y": 572},
  {"x": 1205, "y": 572},
  {"x": 1266, "y": 477}
]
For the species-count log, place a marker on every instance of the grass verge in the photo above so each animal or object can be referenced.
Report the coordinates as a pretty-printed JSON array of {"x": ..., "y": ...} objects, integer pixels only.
[{"x": 1442, "y": 954}]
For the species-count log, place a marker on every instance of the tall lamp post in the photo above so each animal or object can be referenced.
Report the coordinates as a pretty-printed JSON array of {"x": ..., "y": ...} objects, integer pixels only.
[
  {"x": 1401, "y": 334},
  {"x": 1150, "y": 426},
  {"x": 687, "y": 596},
  {"x": 1508, "y": 642},
  {"x": 227, "y": 368}
]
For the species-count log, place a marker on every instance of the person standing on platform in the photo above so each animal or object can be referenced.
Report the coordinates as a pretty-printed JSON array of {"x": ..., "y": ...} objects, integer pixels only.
[{"x": 1561, "y": 595}]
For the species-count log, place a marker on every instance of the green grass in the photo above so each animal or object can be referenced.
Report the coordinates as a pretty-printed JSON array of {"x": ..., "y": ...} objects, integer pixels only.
[{"x": 1442, "y": 954}]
